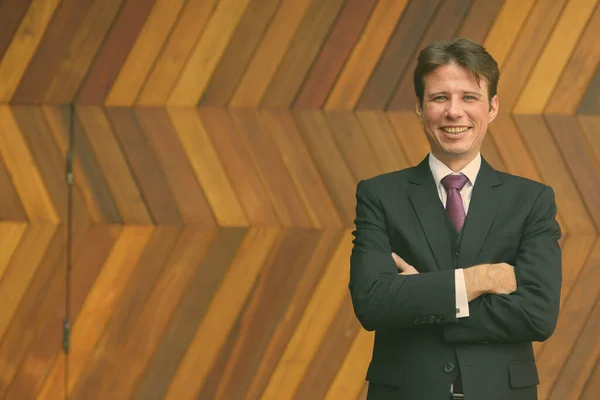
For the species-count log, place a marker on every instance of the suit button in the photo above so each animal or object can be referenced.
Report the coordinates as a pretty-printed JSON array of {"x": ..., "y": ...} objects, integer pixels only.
[
  {"x": 449, "y": 367},
  {"x": 417, "y": 321},
  {"x": 424, "y": 320},
  {"x": 438, "y": 319},
  {"x": 456, "y": 253},
  {"x": 431, "y": 320}
]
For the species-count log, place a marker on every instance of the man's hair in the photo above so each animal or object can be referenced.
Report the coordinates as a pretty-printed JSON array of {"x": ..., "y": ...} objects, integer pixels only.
[{"x": 464, "y": 52}]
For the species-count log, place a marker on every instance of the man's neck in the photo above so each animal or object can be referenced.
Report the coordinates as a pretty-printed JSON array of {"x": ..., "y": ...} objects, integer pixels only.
[{"x": 455, "y": 164}]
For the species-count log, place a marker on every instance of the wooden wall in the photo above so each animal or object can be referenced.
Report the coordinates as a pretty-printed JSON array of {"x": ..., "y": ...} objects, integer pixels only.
[{"x": 217, "y": 147}]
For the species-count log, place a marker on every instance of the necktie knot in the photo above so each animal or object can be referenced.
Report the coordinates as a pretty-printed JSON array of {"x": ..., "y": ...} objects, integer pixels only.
[{"x": 454, "y": 182}]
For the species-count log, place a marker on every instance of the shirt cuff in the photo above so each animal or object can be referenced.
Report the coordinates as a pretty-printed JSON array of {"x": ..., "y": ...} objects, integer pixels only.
[{"x": 462, "y": 301}]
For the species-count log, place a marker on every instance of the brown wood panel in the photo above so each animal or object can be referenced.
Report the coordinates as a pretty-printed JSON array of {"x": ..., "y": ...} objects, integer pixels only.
[
  {"x": 239, "y": 52},
  {"x": 444, "y": 26},
  {"x": 300, "y": 55},
  {"x": 111, "y": 57},
  {"x": 170, "y": 63},
  {"x": 336, "y": 174},
  {"x": 238, "y": 164},
  {"x": 302, "y": 169},
  {"x": 590, "y": 103},
  {"x": 409, "y": 132},
  {"x": 148, "y": 45},
  {"x": 11, "y": 13},
  {"x": 590, "y": 126},
  {"x": 119, "y": 379},
  {"x": 179, "y": 175},
  {"x": 51, "y": 49},
  {"x": 191, "y": 309},
  {"x": 271, "y": 169},
  {"x": 480, "y": 19},
  {"x": 344, "y": 35},
  {"x": 11, "y": 208},
  {"x": 144, "y": 166},
  {"x": 400, "y": 50},
  {"x": 81, "y": 51}
]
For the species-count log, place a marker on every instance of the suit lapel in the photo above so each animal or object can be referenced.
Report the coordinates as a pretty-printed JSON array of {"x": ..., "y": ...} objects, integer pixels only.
[
  {"x": 485, "y": 199},
  {"x": 430, "y": 212}
]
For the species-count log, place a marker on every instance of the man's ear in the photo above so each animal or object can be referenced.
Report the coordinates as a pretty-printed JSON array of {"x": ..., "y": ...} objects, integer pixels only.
[
  {"x": 419, "y": 108},
  {"x": 494, "y": 107}
]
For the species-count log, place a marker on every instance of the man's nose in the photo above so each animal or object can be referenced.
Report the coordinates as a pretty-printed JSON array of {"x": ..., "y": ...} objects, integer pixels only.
[{"x": 454, "y": 109}]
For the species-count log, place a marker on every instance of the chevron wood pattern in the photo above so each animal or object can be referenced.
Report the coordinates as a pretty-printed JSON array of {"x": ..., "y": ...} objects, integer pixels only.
[{"x": 203, "y": 250}]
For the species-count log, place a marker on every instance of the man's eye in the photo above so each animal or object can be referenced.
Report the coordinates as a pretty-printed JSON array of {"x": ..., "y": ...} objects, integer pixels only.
[
  {"x": 439, "y": 98},
  {"x": 470, "y": 98}
]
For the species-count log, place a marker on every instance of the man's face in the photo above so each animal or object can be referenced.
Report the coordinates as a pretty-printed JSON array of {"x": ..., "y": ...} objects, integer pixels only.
[{"x": 456, "y": 113}]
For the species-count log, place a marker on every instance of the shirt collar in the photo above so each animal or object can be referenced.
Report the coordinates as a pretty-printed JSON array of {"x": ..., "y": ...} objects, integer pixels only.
[{"x": 440, "y": 170}]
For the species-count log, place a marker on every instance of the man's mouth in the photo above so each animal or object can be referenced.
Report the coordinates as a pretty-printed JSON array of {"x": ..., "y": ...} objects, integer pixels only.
[{"x": 455, "y": 129}]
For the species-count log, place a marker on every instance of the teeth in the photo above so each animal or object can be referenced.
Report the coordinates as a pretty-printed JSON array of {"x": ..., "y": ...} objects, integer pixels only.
[{"x": 456, "y": 129}]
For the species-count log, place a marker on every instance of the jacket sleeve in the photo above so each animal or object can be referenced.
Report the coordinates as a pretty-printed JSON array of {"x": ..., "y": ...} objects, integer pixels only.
[
  {"x": 381, "y": 298},
  {"x": 531, "y": 312}
]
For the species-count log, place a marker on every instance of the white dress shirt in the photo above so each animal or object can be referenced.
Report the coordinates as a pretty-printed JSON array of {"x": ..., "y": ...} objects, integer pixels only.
[{"x": 439, "y": 171}]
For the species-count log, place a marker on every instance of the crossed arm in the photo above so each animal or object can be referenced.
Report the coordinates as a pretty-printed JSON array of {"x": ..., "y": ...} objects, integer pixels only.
[{"x": 383, "y": 299}]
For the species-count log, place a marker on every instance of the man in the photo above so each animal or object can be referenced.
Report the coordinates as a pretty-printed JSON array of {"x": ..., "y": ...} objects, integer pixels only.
[{"x": 455, "y": 266}]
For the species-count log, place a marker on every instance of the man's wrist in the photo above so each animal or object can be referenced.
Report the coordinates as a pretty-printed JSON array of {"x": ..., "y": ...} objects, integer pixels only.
[{"x": 477, "y": 281}]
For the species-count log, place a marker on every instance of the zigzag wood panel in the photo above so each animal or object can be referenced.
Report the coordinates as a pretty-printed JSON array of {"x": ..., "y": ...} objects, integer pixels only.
[{"x": 217, "y": 147}]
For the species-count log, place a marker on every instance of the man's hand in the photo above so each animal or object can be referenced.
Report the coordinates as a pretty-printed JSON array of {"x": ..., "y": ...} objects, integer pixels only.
[
  {"x": 490, "y": 278},
  {"x": 403, "y": 266}
]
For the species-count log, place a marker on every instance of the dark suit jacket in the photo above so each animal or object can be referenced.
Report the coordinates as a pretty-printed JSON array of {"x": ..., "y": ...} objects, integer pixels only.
[{"x": 419, "y": 342}]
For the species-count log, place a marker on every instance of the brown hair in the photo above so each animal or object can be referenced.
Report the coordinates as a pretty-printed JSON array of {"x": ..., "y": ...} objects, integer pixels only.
[{"x": 464, "y": 52}]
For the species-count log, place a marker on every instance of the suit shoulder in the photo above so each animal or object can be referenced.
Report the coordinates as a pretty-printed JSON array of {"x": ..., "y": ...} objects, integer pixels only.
[
  {"x": 521, "y": 183},
  {"x": 398, "y": 176}
]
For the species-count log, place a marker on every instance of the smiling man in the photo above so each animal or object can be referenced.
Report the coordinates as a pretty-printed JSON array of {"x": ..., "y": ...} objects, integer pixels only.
[{"x": 455, "y": 266}]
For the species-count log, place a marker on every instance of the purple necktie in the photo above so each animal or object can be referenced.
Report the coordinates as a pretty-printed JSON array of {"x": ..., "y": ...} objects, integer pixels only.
[{"x": 454, "y": 202}]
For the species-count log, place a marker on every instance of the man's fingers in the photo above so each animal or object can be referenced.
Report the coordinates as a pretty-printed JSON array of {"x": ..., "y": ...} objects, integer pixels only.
[{"x": 403, "y": 266}]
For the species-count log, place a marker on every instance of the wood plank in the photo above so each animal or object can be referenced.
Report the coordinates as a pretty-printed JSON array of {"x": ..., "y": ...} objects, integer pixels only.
[
  {"x": 26, "y": 176},
  {"x": 270, "y": 53},
  {"x": 97, "y": 308},
  {"x": 390, "y": 156},
  {"x": 111, "y": 160},
  {"x": 96, "y": 203},
  {"x": 238, "y": 163},
  {"x": 115, "y": 48},
  {"x": 11, "y": 14},
  {"x": 302, "y": 170},
  {"x": 344, "y": 35},
  {"x": 210, "y": 48},
  {"x": 578, "y": 72},
  {"x": 335, "y": 344},
  {"x": 122, "y": 320},
  {"x": 527, "y": 49},
  {"x": 295, "y": 65},
  {"x": 579, "y": 159},
  {"x": 222, "y": 313},
  {"x": 492, "y": 155},
  {"x": 590, "y": 103},
  {"x": 446, "y": 24},
  {"x": 579, "y": 366},
  {"x": 480, "y": 19},
  {"x": 336, "y": 174},
  {"x": 24, "y": 46},
  {"x": 354, "y": 147},
  {"x": 400, "y": 50},
  {"x": 552, "y": 354},
  {"x": 179, "y": 175},
  {"x": 137, "y": 349},
  {"x": 53, "y": 46},
  {"x": 506, "y": 28},
  {"x": 11, "y": 208},
  {"x": 410, "y": 134},
  {"x": 271, "y": 169},
  {"x": 144, "y": 52},
  {"x": 574, "y": 315},
  {"x": 592, "y": 387},
  {"x": 590, "y": 126},
  {"x": 554, "y": 57},
  {"x": 144, "y": 166},
  {"x": 350, "y": 379},
  {"x": 366, "y": 53},
  {"x": 11, "y": 234},
  {"x": 238, "y": 53},
  {"x": 208, "y": 168},
  {"x": 18, "y": 272},
  {"x": 272, "y": 315},
  {"x": 555, "y": 173},
  {"x": 51, "y": 163},
  {"x": 173, "y": 57},
  {"x": 83, "y": 47},
  {"x": 325, "y": 301},
  {"x": 192, "y": 308}
]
